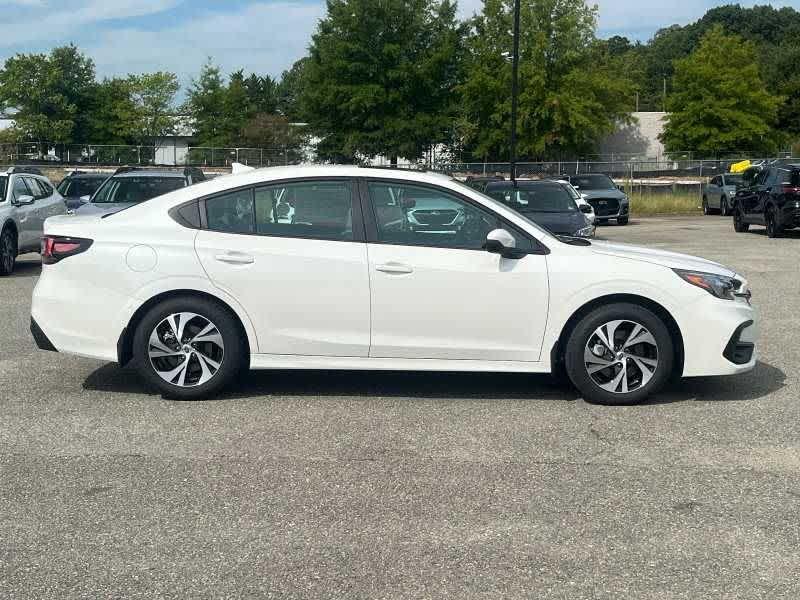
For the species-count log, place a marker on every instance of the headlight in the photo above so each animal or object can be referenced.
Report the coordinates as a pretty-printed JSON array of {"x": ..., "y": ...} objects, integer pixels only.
[
  {"x": 585, "y": 232},
  {"x": 731, "y": 193},
  {"x": 716, "y": 285},
  {"x": 624, "y": 199}
]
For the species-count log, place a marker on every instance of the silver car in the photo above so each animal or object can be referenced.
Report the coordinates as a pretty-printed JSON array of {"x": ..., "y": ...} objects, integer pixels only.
[
  {"x": 27, "y": 198},
  {"x": 719, "y": 192}
]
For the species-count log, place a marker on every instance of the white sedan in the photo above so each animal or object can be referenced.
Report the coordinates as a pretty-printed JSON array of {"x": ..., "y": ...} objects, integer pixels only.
[{"x": 205, "y": 281}]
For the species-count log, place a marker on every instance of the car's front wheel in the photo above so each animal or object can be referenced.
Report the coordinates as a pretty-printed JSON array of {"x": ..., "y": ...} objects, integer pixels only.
[
  {"x": 189, "y": 348},
  {"x": 619, "y": 354},
  {"x": 622, "y": 221},
  {"x": 8, "y": 251},
  {"x": 706, "y": 208},
  {"x": 723, "y": 207},
  {"x": 773, "y": 229},
  {"x": 739, "y": 225}
]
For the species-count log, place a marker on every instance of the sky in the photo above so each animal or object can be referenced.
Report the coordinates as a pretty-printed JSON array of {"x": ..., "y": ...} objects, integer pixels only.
[{"x": 262, "y": 36}]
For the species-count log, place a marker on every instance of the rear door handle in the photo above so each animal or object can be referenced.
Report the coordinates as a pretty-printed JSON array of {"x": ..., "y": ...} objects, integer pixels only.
[
  {"x": 394, "y": 269},
  {"x": 235, "y": 258}
]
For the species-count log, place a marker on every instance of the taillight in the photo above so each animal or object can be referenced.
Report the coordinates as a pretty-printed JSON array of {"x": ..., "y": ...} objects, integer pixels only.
[{"x": 56, "y": 248}]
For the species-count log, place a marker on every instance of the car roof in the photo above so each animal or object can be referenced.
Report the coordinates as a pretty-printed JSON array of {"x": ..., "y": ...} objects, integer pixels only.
[
  {"x": 521, "y": 183},
  {"x": 151, "y": 173},
  {"x": 88, "y": 176}
]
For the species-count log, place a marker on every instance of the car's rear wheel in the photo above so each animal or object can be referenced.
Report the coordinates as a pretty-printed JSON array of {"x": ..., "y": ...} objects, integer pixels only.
[
  {"x": 706, "y": 208},
  {"x": 723, "y": 206},
  {"x": 773, "y": 229},
  {"x": 738, "y": 221},
  {"x": 619, "y": 354},
  {"x": 8, "y": 251},
  {"x": 189, "y": 348}
]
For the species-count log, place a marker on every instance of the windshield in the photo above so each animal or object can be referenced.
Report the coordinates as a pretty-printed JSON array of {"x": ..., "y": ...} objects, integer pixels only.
[
  {"x": 491, "y": 201},
  {"x": 733, "y": 179},
  {"x": 136, "y": 189},
  {"x": 592, "y": 182},
  {"x": 541, "y": 198},
  {"x": 3, "y": 181}
]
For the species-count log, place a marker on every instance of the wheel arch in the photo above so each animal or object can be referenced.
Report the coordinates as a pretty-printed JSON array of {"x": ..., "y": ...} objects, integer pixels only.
[
  {"x": 557, "y": 352},
  {"x": 125, "y": 342}
]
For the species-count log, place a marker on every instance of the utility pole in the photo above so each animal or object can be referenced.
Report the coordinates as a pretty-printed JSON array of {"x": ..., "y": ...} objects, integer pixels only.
[{"x": 514, "y": 93}]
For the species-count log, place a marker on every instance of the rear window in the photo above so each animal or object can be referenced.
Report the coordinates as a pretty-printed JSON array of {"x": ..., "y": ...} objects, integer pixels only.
[{"x": 136, "y": 189}]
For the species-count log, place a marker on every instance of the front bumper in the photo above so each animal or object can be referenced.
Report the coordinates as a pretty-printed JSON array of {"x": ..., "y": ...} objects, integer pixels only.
[{"x": 719, "y": 337}]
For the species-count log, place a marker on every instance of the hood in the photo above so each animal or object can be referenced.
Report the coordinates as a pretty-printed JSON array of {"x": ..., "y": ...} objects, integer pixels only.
[
  {"x": 566, "y": 223},
  {"x": 610, "y": 193},
  {"x": 92, "y": 208},
  {"x": 672, "y": 260}
]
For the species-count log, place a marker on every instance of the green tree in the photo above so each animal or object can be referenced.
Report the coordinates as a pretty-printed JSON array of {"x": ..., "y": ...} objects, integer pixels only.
[
  {"x": 153, "y": 96},
  {"x": 49, "y": 93},
  {"x": 380, "y": 76},
  {"x": 569, "y": 96},
  {"x": 289, "y": 91},
  {"x": 719, "y": 103},
  {"x": 113, "y": 115},
  {"x": 206, "y": 105}
]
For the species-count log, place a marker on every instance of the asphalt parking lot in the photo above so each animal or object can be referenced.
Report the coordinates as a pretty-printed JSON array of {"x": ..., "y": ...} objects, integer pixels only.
[{"x": 381, "y": 485}]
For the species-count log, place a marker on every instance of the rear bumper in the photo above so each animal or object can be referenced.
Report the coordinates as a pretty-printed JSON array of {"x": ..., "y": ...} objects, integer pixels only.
[{"x": 41, "y": 339}]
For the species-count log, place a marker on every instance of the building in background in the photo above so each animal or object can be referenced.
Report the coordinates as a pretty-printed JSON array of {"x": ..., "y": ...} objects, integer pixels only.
[{"x": 638, "y": 140}]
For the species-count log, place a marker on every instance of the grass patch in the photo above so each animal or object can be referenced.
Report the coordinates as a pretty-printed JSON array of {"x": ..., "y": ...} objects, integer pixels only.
[{"x": 646, "y": 205}]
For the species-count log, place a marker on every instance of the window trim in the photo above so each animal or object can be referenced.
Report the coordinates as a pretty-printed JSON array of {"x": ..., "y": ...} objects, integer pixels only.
[
  {"x": 371, "y": 222},
  {"x": 359, "y": 232}
]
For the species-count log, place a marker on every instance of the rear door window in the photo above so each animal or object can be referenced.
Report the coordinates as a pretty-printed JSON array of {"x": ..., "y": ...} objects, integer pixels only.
[
  {"x": 20, "y": 189},
  {"x": 321, "y": 210}
]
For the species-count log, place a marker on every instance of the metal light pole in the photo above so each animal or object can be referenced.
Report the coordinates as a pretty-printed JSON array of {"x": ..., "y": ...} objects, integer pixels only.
[{"x": 514, "y": 92}]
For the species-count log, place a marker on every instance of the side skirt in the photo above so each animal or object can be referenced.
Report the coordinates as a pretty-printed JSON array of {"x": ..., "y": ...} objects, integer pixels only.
[{"x": 338, "y": 363}]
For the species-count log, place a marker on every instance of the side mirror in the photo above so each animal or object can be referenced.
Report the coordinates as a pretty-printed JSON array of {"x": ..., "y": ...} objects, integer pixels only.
[
  {"x": 24, "y": 200},
  {"x": 503, "y": 243},
  {"x": 85, "y": 199},
  {"x": 585, "y": 208},
  {"x": 621, "y": 188}
]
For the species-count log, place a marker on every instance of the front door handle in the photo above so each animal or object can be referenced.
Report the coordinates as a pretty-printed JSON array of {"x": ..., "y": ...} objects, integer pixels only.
[
  {"x": 235, "y": 258},
  {"x": 394, "y": 269}
]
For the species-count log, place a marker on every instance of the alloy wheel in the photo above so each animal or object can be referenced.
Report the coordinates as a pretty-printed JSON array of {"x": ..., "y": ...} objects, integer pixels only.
[
  {"x": 186, "y": 349},
  {"x": 621, "y": 356}
]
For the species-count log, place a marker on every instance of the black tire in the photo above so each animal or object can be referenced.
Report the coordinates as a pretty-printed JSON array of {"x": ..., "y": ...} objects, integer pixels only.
[
  {"x": 739, "y": 226},
  {"x": 773, "y": 229},
  {"x": 622, "y": 221},
  {"x": 8, "y": 251},
  {"x": 723, "y": 207},
  {"x": 233, "y": 360},
  {"x": 706, "y": 209},
  {"x": 581, "y": 336}
]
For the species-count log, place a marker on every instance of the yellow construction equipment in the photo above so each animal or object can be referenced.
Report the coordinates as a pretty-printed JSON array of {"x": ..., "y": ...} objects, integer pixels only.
[{"x": 741, "y": 167}]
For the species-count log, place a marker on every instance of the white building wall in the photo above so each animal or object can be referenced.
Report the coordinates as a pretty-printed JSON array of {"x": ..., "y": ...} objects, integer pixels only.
[{"x": 639, "y": 139}]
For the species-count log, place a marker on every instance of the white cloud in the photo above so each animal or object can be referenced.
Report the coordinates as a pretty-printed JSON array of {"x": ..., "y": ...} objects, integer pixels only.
[
  {"x": 264, "y": 38},
  {"x": 41, "y": 22}
]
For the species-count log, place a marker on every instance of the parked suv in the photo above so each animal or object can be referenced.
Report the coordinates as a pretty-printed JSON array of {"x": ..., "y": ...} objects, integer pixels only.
[
  {"x": 26, "y": 199},
  {"x": 608, "y": 201},
  {"x": 718, "y": 193},
  {"x": 132, "y": 185},
  {"x": 79, "y": 186},
  {"x": 770, "y": 196}
]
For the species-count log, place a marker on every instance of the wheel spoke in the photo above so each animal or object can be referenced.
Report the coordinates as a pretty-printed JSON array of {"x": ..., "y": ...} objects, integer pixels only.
[
  {"x": 640, "y": 336},
  {"x": 204, "y": 366},
  {"x": 179, "y": 370},
  {"x": 156, "y": 342}
]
